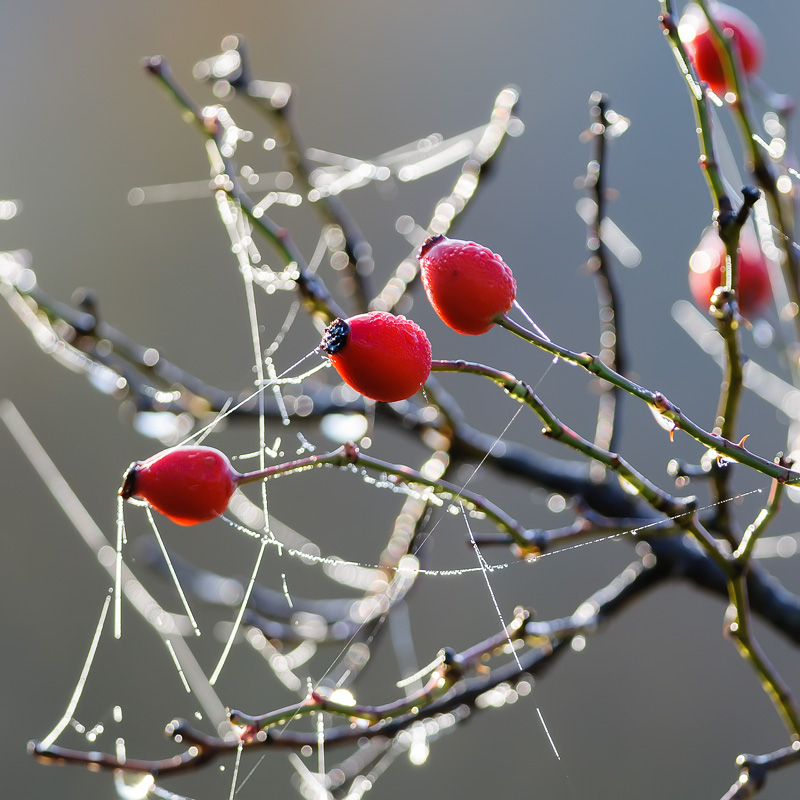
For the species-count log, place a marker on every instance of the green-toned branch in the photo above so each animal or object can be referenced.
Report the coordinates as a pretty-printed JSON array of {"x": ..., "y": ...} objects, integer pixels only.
[
  {"x": 741, "y": 629},
  {"x": 782, "y": 206},
  {"x": 708, "y": 158},
  {"x": 754, "y": 532},
  {"x": 681, "y": 511},
  {"x": 728, "y": 323},
  {"x": 730, "y": 393},
  {"x": 730, "y": 224},
  {"x": 658, "y": 402}
]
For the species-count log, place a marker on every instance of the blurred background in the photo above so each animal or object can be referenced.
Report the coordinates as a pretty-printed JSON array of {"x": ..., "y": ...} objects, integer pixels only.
[{"x": 659, "y": 704}]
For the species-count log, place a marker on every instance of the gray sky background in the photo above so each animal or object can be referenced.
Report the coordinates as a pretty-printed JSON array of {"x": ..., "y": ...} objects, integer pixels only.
[{"x": 659, "y": 705}]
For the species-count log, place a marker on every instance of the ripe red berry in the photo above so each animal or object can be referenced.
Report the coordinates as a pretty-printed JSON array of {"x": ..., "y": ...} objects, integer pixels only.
[
  {"x": 706, "y": 273},
  {"x": 699, "y": 40},
  {"x": 382, "y": 356},
  {"x": 187, "y": 484},
  {"x": 467, "y": 284}
]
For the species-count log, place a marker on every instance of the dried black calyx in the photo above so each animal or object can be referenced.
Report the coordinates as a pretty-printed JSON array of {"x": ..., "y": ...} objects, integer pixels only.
[
  {"x": 335, "y": 336},
  {"x": 430, "y": 242},
  {"x": 128, "y": 488}
]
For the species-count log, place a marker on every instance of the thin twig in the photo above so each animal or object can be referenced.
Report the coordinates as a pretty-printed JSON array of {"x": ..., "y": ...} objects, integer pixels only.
[
  {"x": 611, "y": 330},
  {"x": 549, "y": 639},
  {"x": 782, "y": 205},
  {"x": 450, "y": 208},
  {"x": 313, "y": 291},
  {"x": 349, "y": 456}
]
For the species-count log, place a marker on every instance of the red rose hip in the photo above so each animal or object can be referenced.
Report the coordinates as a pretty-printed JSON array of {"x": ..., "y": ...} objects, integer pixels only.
[
  {"x": 699, "y": 40},
  {"x": 380, "y": 355},
  {"x": 467, "y": 284},
  {"x": 189, "y": 485},
  {"x": 707, "y": 272}
]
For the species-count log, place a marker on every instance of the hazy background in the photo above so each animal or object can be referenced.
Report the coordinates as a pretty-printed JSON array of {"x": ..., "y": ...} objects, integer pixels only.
[{"x": 658, "y": 705}]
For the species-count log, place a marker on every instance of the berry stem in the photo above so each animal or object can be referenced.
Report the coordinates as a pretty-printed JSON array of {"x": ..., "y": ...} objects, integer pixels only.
[
  {"x": 349, "y": 455},
  {"x": 555, "y": 429},
  {"x": 656, "y": 400},
  {"x": 709, "y": 161}
]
